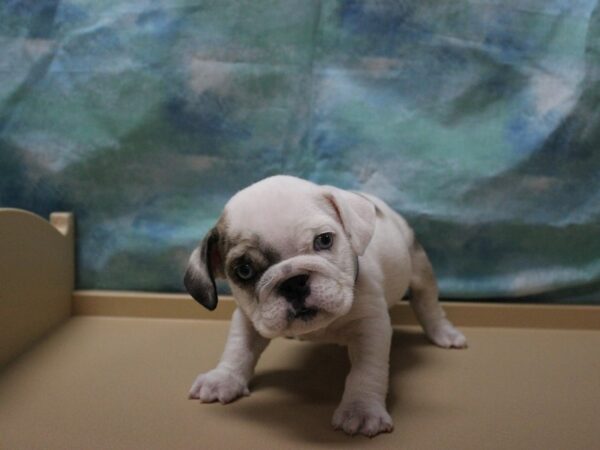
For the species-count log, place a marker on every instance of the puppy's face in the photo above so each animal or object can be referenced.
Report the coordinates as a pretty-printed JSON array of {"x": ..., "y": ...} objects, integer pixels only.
[{"x": 289, "y": 250}]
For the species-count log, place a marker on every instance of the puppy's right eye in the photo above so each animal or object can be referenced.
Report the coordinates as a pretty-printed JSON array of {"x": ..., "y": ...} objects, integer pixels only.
[
  {"x": 244, "y": 272},
  {"x": 323, "y": 241}
]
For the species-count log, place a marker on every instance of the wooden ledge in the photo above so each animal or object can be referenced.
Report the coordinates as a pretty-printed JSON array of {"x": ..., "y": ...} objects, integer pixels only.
[{"x": 465, "y": 314}]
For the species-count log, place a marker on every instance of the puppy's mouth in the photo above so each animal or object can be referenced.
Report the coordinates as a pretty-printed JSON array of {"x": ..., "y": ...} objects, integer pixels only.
[{"x": 304, "y": 313}]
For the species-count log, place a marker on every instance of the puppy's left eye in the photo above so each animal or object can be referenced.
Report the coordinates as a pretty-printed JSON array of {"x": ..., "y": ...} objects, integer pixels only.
[
  {"x": 244, "y": 272},
  {"x": 323, "y": 241}
]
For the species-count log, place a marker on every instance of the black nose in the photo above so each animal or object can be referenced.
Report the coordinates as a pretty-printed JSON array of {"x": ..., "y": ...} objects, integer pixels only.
[{"x": 295, "y": 289}]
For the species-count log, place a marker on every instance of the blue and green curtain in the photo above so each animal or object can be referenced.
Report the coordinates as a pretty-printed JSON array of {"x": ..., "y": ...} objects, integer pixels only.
[{"x": 478, "y": 120}]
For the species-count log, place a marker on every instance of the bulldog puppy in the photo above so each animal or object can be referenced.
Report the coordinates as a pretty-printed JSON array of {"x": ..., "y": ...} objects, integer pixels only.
[{"x": 317, "y": 263}]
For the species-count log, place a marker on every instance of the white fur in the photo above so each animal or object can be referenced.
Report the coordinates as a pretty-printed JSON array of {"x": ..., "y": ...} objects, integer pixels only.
[{"x": 288, "y": 213}]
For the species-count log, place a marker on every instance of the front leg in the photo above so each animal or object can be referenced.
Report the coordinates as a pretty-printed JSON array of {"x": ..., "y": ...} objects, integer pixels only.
[
  {"x": 362, "y": 409},
  {"x": 229, "y": 380}
]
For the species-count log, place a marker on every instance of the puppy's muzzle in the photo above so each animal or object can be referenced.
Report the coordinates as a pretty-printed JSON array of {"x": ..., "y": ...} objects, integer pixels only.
[{"x": 295, "y": 290}]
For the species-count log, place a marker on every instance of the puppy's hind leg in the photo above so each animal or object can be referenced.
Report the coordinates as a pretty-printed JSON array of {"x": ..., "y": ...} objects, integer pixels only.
[{"x": 424, "y": 302}]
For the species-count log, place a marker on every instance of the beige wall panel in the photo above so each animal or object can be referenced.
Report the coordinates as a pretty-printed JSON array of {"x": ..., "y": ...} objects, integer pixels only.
[{"x": 36, "y": 277}]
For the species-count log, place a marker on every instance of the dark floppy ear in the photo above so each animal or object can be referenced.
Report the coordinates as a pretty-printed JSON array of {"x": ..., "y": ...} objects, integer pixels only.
[
  {"x": 356, "y": 214},
  {"x": 205, "y": 263}
]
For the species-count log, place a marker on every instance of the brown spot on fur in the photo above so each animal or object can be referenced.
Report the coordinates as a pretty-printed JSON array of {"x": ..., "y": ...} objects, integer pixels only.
[
  {"x": 217, "y": 257},
  {"x": 248, "y": 249},
  {"x": 423, "y": 277}
]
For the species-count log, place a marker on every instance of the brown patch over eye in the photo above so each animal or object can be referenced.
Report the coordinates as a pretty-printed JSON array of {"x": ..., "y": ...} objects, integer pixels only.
[{"x": 248, "y": 260}]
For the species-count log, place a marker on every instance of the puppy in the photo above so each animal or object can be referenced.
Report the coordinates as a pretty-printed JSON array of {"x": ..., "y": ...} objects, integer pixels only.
[{"x": 317, "y": 263}]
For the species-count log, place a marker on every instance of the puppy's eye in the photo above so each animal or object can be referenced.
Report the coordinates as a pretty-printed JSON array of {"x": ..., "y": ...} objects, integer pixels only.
[
  {"x": 244, "y": 271},
  {"x": 323, "y": 241}
]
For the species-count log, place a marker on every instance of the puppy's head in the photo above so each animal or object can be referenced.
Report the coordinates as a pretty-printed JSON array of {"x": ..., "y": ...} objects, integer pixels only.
[{"x": 289, "y": 250}]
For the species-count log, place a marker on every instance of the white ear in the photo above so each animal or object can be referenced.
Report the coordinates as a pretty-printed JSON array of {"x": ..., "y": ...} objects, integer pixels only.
[{"x": 356, "y": 214}]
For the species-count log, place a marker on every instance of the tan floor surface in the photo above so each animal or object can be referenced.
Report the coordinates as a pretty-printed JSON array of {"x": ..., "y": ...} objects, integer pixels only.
[{"x": 117, "y": 383}]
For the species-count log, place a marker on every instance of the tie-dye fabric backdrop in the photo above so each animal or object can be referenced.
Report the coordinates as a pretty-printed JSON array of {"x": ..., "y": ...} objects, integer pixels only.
[{"x": 479, "y": 120}]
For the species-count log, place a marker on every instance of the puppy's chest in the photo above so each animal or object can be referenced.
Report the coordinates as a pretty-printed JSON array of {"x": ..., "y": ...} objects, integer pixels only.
[{"x": 330, "y": 335}]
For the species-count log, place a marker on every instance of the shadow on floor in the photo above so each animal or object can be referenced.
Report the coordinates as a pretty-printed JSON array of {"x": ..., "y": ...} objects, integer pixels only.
[{"x": 311, "y": 389}]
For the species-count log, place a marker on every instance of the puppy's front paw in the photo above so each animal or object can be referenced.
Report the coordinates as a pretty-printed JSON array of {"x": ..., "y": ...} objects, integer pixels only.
[
  {"x": 218, "y": 384},
  {"x": 444, "y": 334},
  {"x": 368, "y": 418}
]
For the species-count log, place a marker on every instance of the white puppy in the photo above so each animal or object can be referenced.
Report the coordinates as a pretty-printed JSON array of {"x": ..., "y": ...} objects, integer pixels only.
[{"x": 317, "y": 263}]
